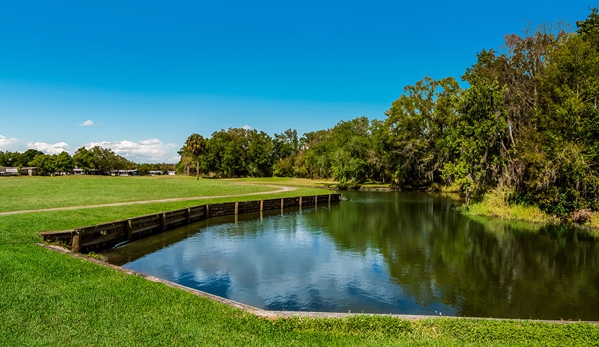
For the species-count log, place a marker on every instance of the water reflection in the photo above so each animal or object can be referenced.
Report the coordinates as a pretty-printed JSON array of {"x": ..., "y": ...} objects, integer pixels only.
[{"x": 387, "y": 253}]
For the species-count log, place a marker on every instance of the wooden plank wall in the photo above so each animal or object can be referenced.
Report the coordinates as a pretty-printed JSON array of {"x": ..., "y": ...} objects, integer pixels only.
[{"x": 104, "y": 236}]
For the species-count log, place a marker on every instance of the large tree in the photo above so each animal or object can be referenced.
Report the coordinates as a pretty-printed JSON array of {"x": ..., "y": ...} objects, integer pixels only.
[
  {"x": 418, "y": 123},
  {"x": 478, "y": 138},
  {"x": 83, "y": 158},
  {"x": 63, "y": 162},
  {"x": 196, "y": 146},
  {"x": 46, "y": 164},
  {"x": 285, "y": 148}
]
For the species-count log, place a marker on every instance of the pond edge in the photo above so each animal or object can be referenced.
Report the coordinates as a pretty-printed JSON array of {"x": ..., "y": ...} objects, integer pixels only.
[
  {"x": 273, "y": 315},
  {"x": 103, "y": 236}
]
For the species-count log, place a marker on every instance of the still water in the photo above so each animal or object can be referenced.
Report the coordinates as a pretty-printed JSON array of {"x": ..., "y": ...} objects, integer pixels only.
[{"x": 381, "y": 252}]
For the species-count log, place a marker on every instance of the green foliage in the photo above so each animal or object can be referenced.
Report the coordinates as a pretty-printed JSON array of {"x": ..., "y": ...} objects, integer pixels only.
[
  {"x": 101, "y": 159},
  {"x": 350, "y": 152},
  {"x": 45, "y": 163},
  {"x": 477, "y": 141},
  {"x": 51, "y": 164},
  {"x": 15, "y": 159},
  {"x": 418, "y": 123},
  {"x": 63, "y": 162},
  {"x": 528, "y": 120},
  {"x": 195, "y": 145},
  {"x": 285, "y": 149},
  {"x": 238, "y": 152},
  {"x": 164, "y": 168},
  {"x": 589, "y": 28},
  {"x": 83, "y": 159},
  {"x": 564, "y": 175},
  {"x": 501, "y": 203}
]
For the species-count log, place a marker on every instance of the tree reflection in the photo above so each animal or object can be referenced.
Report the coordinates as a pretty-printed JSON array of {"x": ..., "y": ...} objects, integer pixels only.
[{"x": 481, "y": 267}]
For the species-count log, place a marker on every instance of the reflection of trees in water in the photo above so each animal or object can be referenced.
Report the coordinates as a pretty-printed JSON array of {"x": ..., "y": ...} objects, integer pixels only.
[{"x": 480, "y": 267}]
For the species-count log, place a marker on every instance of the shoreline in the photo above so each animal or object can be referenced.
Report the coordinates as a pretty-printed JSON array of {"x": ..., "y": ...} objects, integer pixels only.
[{"x": 288, "y": 314}]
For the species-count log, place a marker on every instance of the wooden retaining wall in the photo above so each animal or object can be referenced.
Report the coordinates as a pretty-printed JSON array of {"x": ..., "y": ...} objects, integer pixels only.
[{"x": 104, "y": 236}]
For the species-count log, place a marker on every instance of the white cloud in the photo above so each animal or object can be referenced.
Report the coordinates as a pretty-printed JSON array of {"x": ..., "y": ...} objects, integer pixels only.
[
  {"x": 146, "y": 151},
  {"x": 247, "y": 127},
  {"x": 49, "y": 148},
  {"x": 6, "y": 143},
  {"x": 87, "y": 123}
]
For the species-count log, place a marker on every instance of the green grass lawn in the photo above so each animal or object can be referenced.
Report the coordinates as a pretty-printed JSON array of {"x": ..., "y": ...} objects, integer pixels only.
[
  {"x": 23, "y": 193},
  {"x": 53, "y": 299}
]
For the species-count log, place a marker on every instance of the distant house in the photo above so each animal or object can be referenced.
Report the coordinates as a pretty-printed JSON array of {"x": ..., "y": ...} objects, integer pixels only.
[
  {"x": 14, "y": 171},
  {"x": 171, "y": 173},
  {"x": 155, "y": 172},
  {"x": 79, "y": 171},
  {"x": 30, "y": 171},
  {"x": 124, "y": 173},
  {"x": 9, "y": 171}
]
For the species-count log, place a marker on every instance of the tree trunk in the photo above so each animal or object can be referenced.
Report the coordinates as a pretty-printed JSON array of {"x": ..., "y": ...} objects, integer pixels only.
[{"x": 197, "y": 170}]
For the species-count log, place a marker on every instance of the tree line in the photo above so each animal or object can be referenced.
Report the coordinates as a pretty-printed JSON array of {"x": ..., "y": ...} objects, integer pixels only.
[
  {"x": 98, "y": 159},
  {"x": 527, "y": 122}
]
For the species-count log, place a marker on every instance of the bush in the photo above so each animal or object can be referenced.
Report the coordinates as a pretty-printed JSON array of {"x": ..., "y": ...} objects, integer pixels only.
[{"x": 581, "y": 216}]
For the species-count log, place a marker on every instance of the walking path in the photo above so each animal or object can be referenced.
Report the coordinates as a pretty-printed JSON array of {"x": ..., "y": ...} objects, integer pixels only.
[{"x": 66, "y": 208}]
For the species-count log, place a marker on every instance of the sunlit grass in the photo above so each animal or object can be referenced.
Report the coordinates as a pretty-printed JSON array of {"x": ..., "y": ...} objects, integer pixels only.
[
  {"x": 594, "y": 223},
  {"x": 375, "y": 185},
  {"x": 494, "y": 204},
  {"x": 453, "y": 188},
  {"x": 22, "y": 193}
]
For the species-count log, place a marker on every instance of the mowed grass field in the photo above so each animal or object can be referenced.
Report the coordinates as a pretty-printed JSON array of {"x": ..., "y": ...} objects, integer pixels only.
[
  {"x": 24, "y": 193},
  {"x": 53, "y": 299}
]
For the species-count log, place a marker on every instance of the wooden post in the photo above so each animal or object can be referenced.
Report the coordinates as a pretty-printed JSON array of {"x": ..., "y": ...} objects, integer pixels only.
[
  {"x": 282, "y": 203},
  {"x": 207, "y": 214},
  {"x": 315, "y": 200},
  {"x": 129, "y": 226},
  {"x": 300, "y": 201},
  {"x": 329, "y": 199},
  {"x": 261, "y": 206},
  {"x": 163, "y": 221},
  {"x": 188, "y": 215},
  {"x": 76, "y": 243},
  {"x": 236, "y": 209}
]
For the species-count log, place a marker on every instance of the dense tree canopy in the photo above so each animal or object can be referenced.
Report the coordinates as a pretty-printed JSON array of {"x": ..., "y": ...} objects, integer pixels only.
[
  {"x": 527, "y": 121},
  {"x": 101, "y": 159}
]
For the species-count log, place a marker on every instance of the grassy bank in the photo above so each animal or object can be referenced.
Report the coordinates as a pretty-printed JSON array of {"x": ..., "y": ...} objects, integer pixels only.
[
  {"x": 595, "y": 221},
  {"x": 494, "y": 204},
  {"x": 53, "y": 299}
]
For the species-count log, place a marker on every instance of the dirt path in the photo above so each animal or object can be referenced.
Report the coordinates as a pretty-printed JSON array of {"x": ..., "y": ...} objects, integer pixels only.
[{"x": 66, "y": 208}]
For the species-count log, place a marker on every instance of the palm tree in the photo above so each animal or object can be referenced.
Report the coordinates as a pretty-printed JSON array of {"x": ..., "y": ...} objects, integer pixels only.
[{"x": 196, "y": 145}]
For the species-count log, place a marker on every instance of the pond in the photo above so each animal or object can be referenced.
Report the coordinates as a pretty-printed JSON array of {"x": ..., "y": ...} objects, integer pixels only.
[{"x": 381, "y": 252}]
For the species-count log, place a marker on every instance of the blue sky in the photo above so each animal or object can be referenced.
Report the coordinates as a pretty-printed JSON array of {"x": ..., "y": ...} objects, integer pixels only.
[{"x": 141, "y": 76}]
